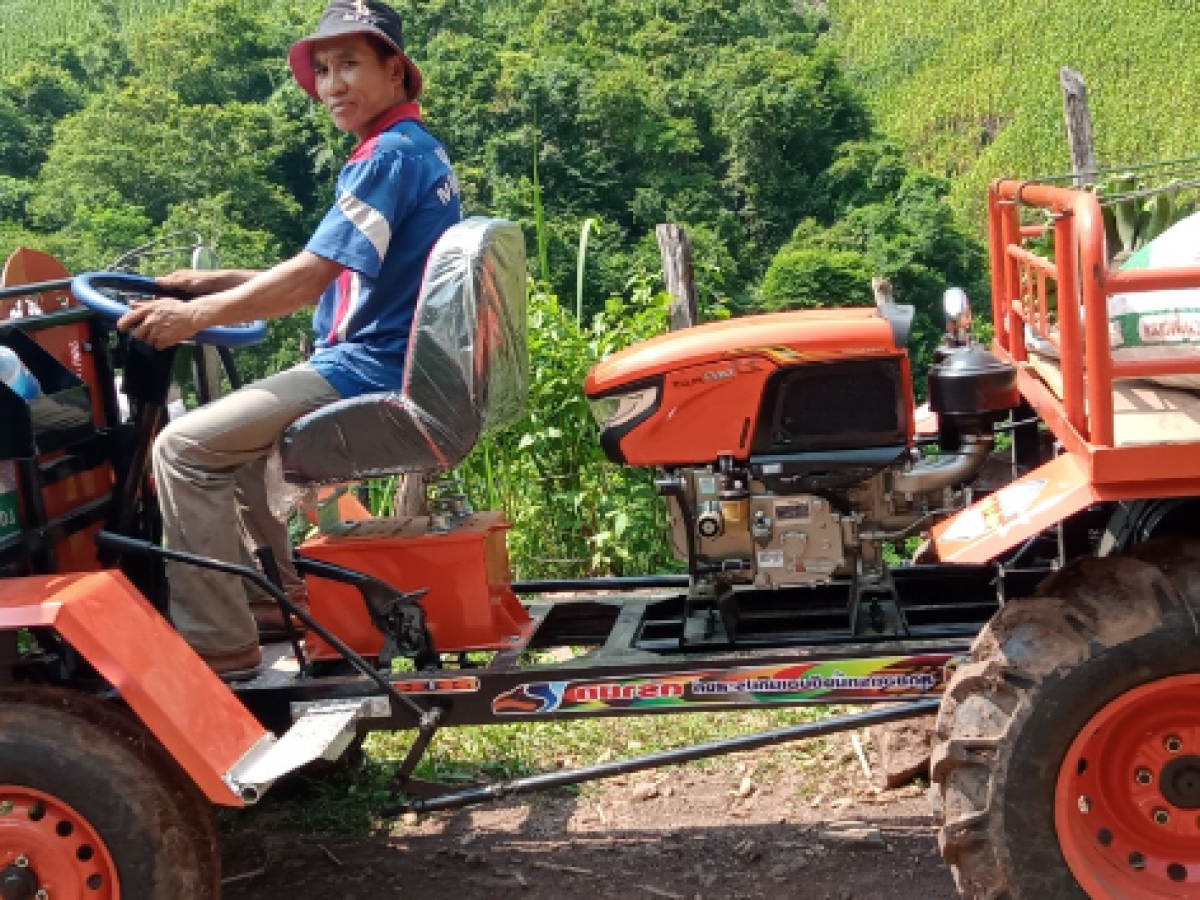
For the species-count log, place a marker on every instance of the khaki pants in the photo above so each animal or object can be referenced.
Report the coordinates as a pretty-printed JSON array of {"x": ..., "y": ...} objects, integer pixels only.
[{"x": 209, "y": 466}]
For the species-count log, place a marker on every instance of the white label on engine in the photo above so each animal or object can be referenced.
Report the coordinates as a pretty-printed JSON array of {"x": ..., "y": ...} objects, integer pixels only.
[
  {"x": 793, "y": 511},
  {"x": 770, "y": 559},
  {"x": 707, "y": 485}
]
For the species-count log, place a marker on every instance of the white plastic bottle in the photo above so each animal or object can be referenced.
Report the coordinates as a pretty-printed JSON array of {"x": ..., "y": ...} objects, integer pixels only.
[{"x": 18, "y": 378}]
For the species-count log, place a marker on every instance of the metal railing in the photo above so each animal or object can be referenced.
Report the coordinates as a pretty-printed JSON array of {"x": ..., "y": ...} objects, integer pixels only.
[{"x": 1063, "y": 297}]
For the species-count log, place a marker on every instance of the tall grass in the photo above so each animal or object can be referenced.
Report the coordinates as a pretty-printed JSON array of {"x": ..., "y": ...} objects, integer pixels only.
[
  {"x": 573, "y": 512},
  {"x": 589, "y": 225}
]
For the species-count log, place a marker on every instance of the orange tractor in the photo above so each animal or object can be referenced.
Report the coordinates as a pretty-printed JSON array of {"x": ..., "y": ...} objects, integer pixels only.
[{"x": 1057, "y": 494}]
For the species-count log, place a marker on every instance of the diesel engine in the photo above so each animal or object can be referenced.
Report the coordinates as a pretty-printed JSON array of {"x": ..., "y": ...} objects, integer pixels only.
[{"x": 785, "y": 443}]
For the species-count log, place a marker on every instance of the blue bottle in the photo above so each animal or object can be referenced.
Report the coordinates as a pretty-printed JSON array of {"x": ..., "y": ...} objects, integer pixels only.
[{"x": 18, "y": 378}]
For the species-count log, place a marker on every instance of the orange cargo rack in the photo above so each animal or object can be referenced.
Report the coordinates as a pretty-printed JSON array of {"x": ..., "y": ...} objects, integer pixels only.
[{"x": 1079, "y": 408}]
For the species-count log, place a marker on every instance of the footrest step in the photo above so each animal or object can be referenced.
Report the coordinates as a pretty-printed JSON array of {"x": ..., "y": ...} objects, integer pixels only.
[{"x": 324, "y": 731}]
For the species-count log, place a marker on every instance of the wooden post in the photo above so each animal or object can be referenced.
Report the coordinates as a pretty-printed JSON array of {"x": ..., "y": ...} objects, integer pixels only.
[
  {"x": 882, "y": 289},
  {"x": 1079, "y": 126},
  {"x": 411, "y": 496},
  {"x": 676, "y": 253}
]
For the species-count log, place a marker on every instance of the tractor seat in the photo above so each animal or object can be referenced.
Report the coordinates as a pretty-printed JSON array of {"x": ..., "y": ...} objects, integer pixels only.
[{"x": 466, "y": 372}]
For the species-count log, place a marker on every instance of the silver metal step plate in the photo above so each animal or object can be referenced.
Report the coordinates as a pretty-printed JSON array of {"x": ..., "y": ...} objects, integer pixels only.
[{"x": 324, "y": 731}]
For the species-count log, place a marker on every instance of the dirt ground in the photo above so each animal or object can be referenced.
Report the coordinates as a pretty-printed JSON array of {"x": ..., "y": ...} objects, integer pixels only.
[{"x": 743, "y": 832}]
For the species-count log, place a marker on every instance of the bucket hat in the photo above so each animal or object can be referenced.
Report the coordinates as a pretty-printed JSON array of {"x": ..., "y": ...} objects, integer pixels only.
[{"x": 344, "y": 17}]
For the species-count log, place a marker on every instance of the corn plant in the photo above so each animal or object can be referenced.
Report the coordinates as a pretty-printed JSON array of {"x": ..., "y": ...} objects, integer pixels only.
[
  {"x": 971, "y": 88},
  {"x": 1135, "y": 214},
  {"x": 29, "y": 27}
]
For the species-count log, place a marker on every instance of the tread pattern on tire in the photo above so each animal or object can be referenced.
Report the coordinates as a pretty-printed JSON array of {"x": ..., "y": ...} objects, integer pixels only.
[
  {"x": 1077, "y": 615},
  {"x": 179, "y": 857}
]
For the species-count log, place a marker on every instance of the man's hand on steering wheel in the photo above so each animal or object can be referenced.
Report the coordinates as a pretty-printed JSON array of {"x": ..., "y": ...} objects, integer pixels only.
[
  {"x": 198, "y": 282},
  {"x": 162, "y": 322}
]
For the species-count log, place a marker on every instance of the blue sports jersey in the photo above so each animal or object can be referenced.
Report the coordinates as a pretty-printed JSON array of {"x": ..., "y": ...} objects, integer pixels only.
[{"x": 396, "y": 195}]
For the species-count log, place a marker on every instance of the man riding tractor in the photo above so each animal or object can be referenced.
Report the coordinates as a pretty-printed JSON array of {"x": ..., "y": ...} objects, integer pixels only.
[{"x": 362, "y": 269}]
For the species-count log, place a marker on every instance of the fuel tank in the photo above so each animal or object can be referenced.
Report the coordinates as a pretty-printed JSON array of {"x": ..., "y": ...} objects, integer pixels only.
[{"x": 785, "y": 383}]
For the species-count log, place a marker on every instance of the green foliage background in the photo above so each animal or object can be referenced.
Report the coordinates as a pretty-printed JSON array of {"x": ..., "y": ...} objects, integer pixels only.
[
  {"x": 970, "y": 90},
  {"x": 123, "y": 120}
]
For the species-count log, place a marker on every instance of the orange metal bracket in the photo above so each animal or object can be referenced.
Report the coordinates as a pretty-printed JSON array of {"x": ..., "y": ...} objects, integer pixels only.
[
  {"x": 470, "y": 604},
  {"x": 189, "y": 709},
  {"x": 1042, "y": 498}
]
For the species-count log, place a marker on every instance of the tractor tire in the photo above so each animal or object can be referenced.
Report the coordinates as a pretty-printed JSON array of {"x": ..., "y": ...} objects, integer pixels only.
[
  {"x": 91, "y": 806},
  {"x": 1068, "y": 755}
]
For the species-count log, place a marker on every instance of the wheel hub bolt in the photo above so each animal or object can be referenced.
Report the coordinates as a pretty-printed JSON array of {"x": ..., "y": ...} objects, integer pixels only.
[
  {"x": 22, "y": 861},
  {"x": 43, "y": 894},
  {"x": 1173, "y": 744},
  {"x": 6, "y": 807},
  {"x": 1144, "y": 776},
  {"x": 1162, "y": 817},
  {"x": 1085, "y": 804}
]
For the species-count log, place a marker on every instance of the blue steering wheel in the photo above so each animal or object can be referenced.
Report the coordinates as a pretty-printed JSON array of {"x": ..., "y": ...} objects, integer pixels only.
[{"x": 89, "y": 289}]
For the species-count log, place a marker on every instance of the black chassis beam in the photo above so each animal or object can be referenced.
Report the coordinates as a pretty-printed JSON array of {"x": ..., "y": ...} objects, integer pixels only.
[
  {"x": 933, "y": 601},
  {"x": 904, "y": 679},
  {"x": 801, "y": 653},
  {"x": 636, "y": 683}
]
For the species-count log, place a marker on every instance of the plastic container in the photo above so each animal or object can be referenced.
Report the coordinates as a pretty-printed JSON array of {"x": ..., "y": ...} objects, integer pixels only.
[{"x": 19, "y": 379}]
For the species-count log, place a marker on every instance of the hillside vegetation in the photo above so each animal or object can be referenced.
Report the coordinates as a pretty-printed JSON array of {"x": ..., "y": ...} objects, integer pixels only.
[
  {"x": 970, "y": 89},
  {"x": 732, "y": 118},
  {"x": 29, "y": 27}
]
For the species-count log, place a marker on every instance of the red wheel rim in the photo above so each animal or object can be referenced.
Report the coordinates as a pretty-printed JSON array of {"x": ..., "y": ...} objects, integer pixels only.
[
  {"x": 1127, "y": 802},
  {"x": 59, "y": 849}
]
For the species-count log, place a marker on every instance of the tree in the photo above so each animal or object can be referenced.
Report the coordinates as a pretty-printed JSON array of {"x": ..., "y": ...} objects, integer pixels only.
[
  {"x": 232, "y": 150},
  {"x": 18, "y": 154},
  {"x": 211, "y": 52},
  {"x": 816, "y": 279},
  {"x": 43, "y": 94},
  {"x": 908, "y": 236},
  {"x": 783, "y": 118}
]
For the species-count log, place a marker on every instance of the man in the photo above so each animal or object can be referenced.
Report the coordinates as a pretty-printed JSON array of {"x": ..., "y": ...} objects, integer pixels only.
[{"x": 362, "y": 268}]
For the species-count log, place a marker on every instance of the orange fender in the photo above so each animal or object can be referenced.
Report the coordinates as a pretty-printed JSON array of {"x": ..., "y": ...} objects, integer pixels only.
[
  {"x": 106, "y": 620},
  {"x": 1038, "y": 500}
]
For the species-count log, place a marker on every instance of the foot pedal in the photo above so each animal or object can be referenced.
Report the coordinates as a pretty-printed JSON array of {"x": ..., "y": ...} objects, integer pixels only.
[{"x": 323, "y": 732}]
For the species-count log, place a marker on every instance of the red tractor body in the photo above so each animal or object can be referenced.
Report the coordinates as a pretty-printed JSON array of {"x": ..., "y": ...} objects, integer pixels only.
[{"x": 729, "y": 388}]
